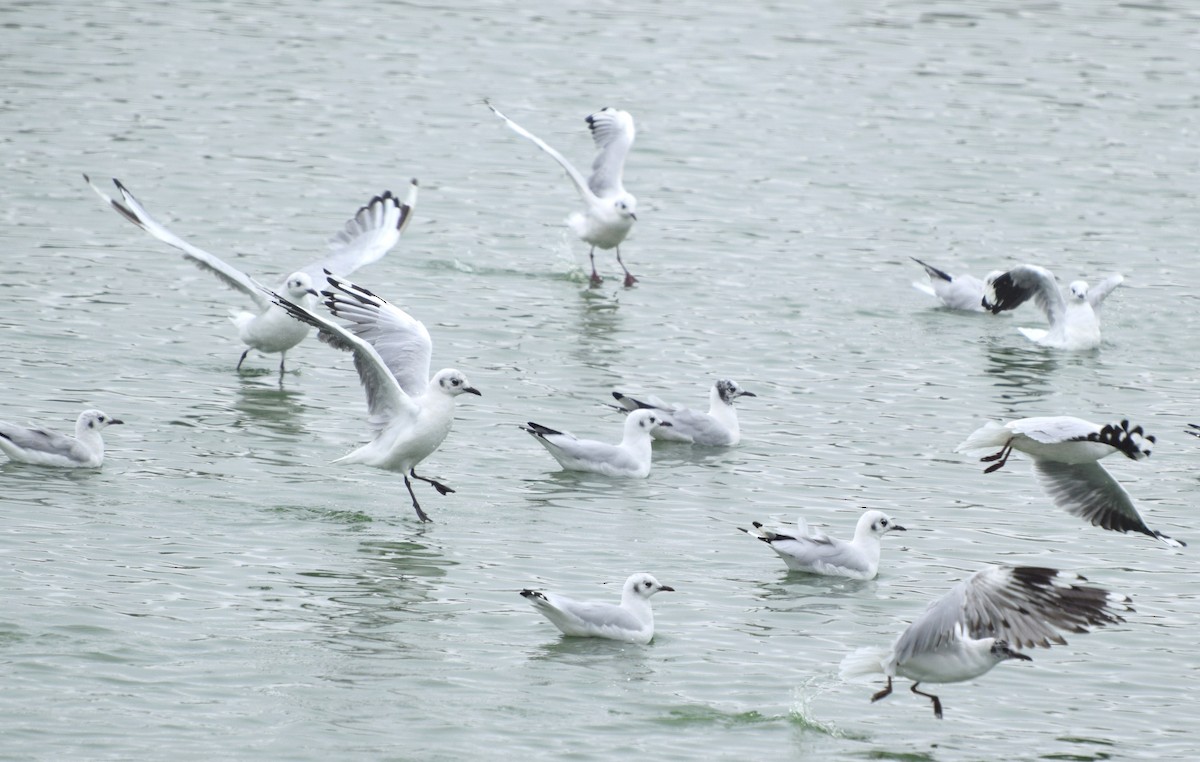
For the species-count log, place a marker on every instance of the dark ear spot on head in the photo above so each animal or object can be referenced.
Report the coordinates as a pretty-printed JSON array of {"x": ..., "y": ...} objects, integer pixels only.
[{"x": 91, "y": 424}]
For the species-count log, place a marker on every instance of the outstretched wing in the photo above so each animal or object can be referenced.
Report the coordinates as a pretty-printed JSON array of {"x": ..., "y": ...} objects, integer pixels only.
[
  {"x": 133, "y": 211},
  {"x": 1089, "y": 491},
  {"x": 580, "y": 184},
  {"x": 386, "y": 400},
  {"x": 1012, "y": 289},
  {"x": 401, "y": 341},
  {"x": 613, "y": 132},
  {"x": 368, "y": 235},
  {"x": 1098, "y": 293}
]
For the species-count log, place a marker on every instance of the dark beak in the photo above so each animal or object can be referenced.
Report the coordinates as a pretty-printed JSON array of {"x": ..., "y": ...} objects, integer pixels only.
[
  {"x": 668, "y": 424},
  {"x": 115, "y": 420},
  {"x": 1019, "y": 656},
  {"x": 314, "y": 292},
  {"x": 898, "y": 528},
  {"x": 633, "y": 216},
  {"x": 472, "y": 390},
  {"x": 747, "y": 394},
  {"x": 669, "y": 589}
]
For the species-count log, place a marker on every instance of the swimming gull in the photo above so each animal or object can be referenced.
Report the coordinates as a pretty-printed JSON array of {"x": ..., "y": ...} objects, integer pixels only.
[
  {"x": 629, "y": 458},
  {"x": 409, "y": 412},
  {"x": 958, "y": 292},
  {"x": 718, "y": 427},
  {"x": 1073, "y": 315},
  {"x": 982, "y": 621},
  {"x": 611, "y": 210},
  {"x": 1065, "y": 452},
  {"x": 630, "y": 622},
  {"x": 49, "y": 448},
  {"x": 817, "y": 553},
  {"x": 368, "y": 235}
]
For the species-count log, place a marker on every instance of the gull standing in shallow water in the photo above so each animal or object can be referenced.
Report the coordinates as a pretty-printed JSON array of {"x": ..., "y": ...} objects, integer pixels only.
[
  {"x": 716, "y": 428},
  {"x": 629, "y": 458},
  {"x": 981, "y": 622},
  {"x": 409, "y": 412},
  {"x": 611, "y": 210},
  {"x": 49, "y": 448},
  {"x": 630, "y": 622},
  {"x": 1065, "y": 452},
  {"x": 1073, "y": 318},
  {"x": 817, "y": 553},
  {"x": 958, "y": 292},
  {"x": 367, "y": 236}
]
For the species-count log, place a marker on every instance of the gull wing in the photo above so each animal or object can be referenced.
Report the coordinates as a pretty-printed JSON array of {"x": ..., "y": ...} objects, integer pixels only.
[
  {"x": 368, "y": 235},
  {"x": 1024, "y": 605},
  {"x": 133, "y": 211},
  {"x": 1088, "y": 491},
  {"x": 1098, "y": 293},
  {"x": 1012, "y": 289},
  {"x": 580, "y": 184},
  {"x": 386, "y": 400},
  {"x": 40, "y": 440},
  {"x": 1054, "y": 429},
  {"x": 613, "y": 133}
]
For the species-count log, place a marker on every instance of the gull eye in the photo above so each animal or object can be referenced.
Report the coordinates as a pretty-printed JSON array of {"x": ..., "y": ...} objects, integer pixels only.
[{"x": 883, "y": 522}]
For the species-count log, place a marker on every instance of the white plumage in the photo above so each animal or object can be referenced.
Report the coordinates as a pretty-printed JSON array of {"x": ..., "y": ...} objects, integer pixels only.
[
  {"x": 49, "y": 448},
  {"x": 630, "y": 457},
  {"x": 716, "y": 428},
  {"x": 632, "y": 621},
  {"x": 817, "y": 553},
  {"x": 1073, "y": 315}
]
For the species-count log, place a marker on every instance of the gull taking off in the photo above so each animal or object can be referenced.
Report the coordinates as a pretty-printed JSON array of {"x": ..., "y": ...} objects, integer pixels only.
[
  {"x": 367, "y": 236},
  {"x": 1074, "y": 322},
  {"x": 49, "y": 448},
  {"x": 409, "y": 412},
  {"x": 958, "y": 292},
  {"x": 610, "y": 209},
  {"x": 1065, "y": 452},
  {"x": 631, "y": 622},
  {"x": 817, "y": 553},
  {"x": 629, "y": 458},
  {"x": 717, "y": 428},
  {"x": 980, "y": 623}
]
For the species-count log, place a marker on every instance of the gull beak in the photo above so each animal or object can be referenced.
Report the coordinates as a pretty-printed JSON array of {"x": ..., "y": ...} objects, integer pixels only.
[
  {"x": 472, "y": 390},
  {"x": 115, "y": 420},
  {"x": 633, "y": 216},
  {"x": 668, "y": 424},
  {"x": 747, "y": 394},
  {"x": 669, "y": 589},
  {"x": 898, "y": 528},
  {"x": 314, "y": 292},
  {"x": 1019, "y": 656}
]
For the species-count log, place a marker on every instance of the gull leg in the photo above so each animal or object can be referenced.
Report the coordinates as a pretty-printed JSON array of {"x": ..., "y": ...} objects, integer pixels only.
[
  {"x": 1001, "y": 456},
  {"x": 417, "y": 506},
  {"x": 937, "y": 702},
  {"x": 596, "y": 280},
  {"x": 441, "y": 488},
  {"x": 239, "y": 365},
  {"x": 883, "y": 693},
  {"x": 282, "y": 357},
  {"x": 629, "y": 279}
]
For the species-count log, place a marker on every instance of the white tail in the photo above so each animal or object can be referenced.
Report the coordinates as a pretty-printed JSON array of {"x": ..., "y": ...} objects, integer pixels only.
[
  {"x": 987, "y": 437},
  {"x": 863, "y": 662}
]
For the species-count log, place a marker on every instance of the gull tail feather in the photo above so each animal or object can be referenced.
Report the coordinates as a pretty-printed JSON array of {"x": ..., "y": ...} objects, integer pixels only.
[
  {"x": 986, "y": 437},
  {"x": 864, "y": 662}
]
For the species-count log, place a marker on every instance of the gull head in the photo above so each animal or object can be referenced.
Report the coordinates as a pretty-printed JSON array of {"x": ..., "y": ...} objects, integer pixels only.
[
  {"x": 644, "y": 585},
  {"x": 876, "y": 524},
  {"x": 626, "y": 206},
  {"x": 1079, "y": 290},
  {"x": 299, "y": 288},
  {"x": 728, "y": 390},
  {"x": 94, "y": 420},
  {"x": 453, "y": 383},
  {"x": 1002, "y": 651},
  {"x": 645, "y": 421}
]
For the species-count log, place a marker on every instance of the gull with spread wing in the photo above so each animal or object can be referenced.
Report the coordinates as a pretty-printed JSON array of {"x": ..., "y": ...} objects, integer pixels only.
[
  {"x": 368, "y": 235},
  {"x": 716, "y": 428},
  {"x": 1065, "y": 451},
  {"x": 611, "y": 210},
  {"x": 1073, "y": 315},
  {"x": 49, "y": 448},
  {"x": 982, "y": 621},
  {"x": 818, "y": 553},
  {"x": 630, "y": 622},
  {"x": 409, "y": 412}
]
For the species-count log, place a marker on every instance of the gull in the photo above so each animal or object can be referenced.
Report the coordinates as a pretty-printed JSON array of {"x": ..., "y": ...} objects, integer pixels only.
[
  {"x": 1065, "y": 452},
  {"x": 982, "y": 621},
  {"x": 958, "y": 292},
  {"x": 611, "y": 210},
  {"x": 718, "y": 427},
  {"x": 630, "y": 622},
  {"x": 49, "y": 448},
  {"x": 368, "y": 235},
  {"x": 629, "y": 458},
  {"x": 1074, "y": 322},
  {"x": 817, "y": 553},
  {"x": 409, "y": 412}
]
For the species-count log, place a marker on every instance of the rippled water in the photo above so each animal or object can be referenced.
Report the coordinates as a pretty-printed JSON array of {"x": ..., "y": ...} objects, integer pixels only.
[{"x": 219, "y": 590}]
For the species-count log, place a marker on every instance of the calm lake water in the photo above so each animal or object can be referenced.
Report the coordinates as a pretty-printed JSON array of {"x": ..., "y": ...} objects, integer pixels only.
[{"x": 219, "y": 591}]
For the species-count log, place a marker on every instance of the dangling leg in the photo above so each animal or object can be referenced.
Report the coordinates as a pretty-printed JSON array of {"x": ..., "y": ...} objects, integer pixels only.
[
  {"x": 417, "y": 506},
  {"x": 883, "y": 693},
  {"x": 629, "y": 279},
  {"x": 282, "y": 356},
  {"x": 239, "y": 365},
  {"x": 937, "y": 702},
  {"x": 441, "y": 488},
  {"x": 1001, "y": 456},
  {"x": 596, "y": 279}
]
